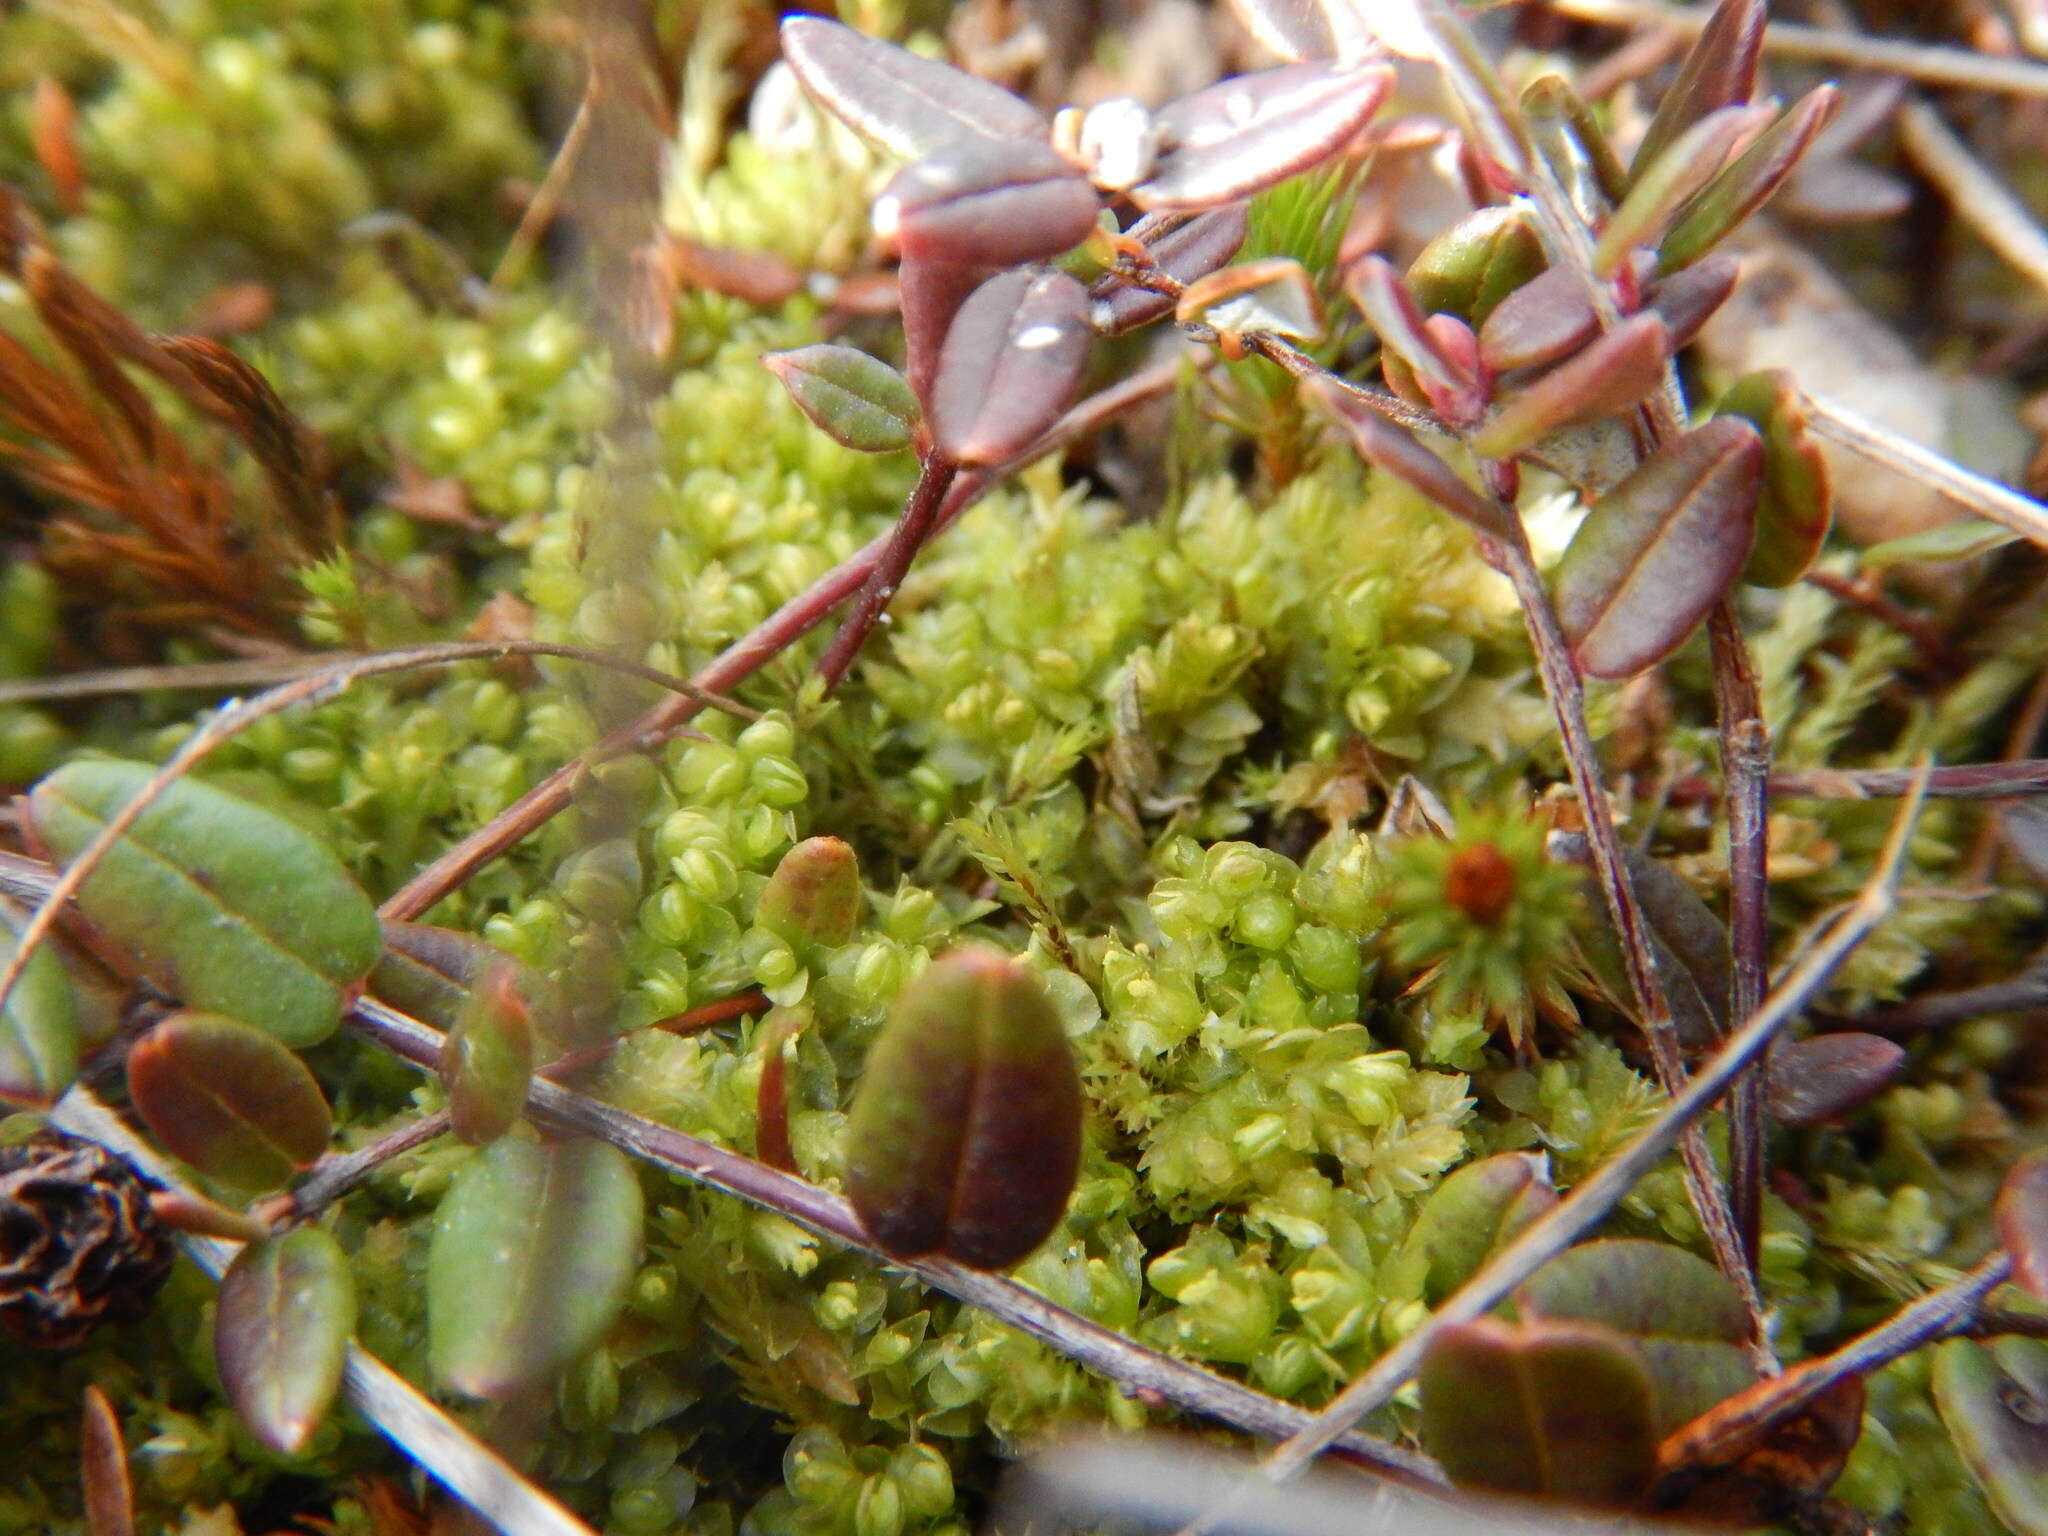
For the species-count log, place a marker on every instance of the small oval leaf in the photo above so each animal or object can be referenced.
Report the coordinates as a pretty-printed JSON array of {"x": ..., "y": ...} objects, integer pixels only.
[
  {"x": 893, "y": 97},
  {"x": 814, "y": 897},
  {"x": 39, "y": 1036},
  {"x": 1406, "y": 340},
  {"x": 1472, "y": 267},
  {"x": 1993, "y": 1399},
  {"x": 1011, "y": 363},
  {"x": 1240, "y": 136},
  {"x": 487, "y": 1058},
  {"x": 229, "y": 1099},
  {"x": 1392, "y": 447},
  {"x": 1687, "y": 300},
  {"x": 1748, "y": 182},
  {"x": 530, "y": 1260},
  {"x": 964, "y": 1138},
  {"x": 287, "y": 1309},
  {"x": 1547, "y": 318},
  {"x": 987, "y": 204},
  {"x": 1191, "y": 249},
  {"x": 1550, "y": 1409},
  {"x": 1660, "y": 549},
  {"x": 1795, "y": 507},
  {"x": 224, "y": 904},
  {"x": 1815, "y": 1080},
  {"x": 1659, "y": 193},
  {"x": 1273, "y": 294},
  {"x": 1612, "y": 374},
  {"x": 1471, "y": 1213},
  {"x": 858, "y": 401},
  {"x": 1720, "y": 70},
  {"x": 2022, "y": 1212}
]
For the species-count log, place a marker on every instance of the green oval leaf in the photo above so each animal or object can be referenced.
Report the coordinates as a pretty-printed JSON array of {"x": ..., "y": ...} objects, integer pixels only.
[
  {"x": 965, "y": 1135},
  {"x": 1611, "y": 374},
  {"x": 39, "y": 1043},
  {"x": 1475, "y": 264},
  {"x": 814, "y": 896},
  {"x": 858, "y": 401},
  {"x": 228, "y": 1099},
  {"x": 1555, "y": 1409},
  {"x": 1993, "y": 1399},
  {"x": 1795, "y": 507},
  {"x": 224, "y": 904},
  {"x": 530, "y": 1260},
  {"x": 1680, "y": 1312},
  {"x": 287, "y": 1309},
  {"x": 1471, "y": 1213},
  {"x": 1660, "y": 549},
  {"x": 487, "y": 1059},
  {"x": 1748, "y": 182}
]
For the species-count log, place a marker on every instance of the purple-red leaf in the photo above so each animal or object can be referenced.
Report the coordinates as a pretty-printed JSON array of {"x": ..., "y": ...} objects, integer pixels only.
[
  {"x": 228, "y": 1099},
  {"x": 1011, "y": 363},
  {"x": 1550, "y": 1409},
  {"x": 905, "y": 103},
  {"x": 1817, "y": 1079},
  {"x": 1719, "y": 71},
  {"x": 1612, "y": 374},
  {"x": 1796, "y": 506},
  {"x": 2022, "y": 1213},
  {"x": 103, "y": 1469},
  {"x": 1190, "y": 249},
  {"x": 1240, "y": 136},
  {"x": 814, "y": 896},
  {"x": 1389, "y": 446},
  {"x": 965, "y": 1134},
  {"x": 1451, "y": 390},
  {"x": 1660, "y": 549},
  {"x": 858, "y": 401},
  {"x": 487, "y": 1058},
  {"x": 1687, "y": 300},
  {"x": 987, "y": 203},
  {"x": 1747, "y": 184},
  {"x": 1539, "y": 322},
  {"x": 287, "y": 1308}
]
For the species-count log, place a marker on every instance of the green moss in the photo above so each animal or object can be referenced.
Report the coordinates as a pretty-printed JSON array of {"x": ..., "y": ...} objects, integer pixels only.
[{"x": 1136, "y": 748}]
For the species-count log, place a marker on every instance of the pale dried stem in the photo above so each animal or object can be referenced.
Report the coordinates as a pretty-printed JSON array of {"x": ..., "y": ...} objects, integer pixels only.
[
  {"x": 1788, "y": 40},
  {"x": 1881, "y": 445},
  {"x": 1964, "y": 781},
  {"x": 192, "y": 677},
  {"x": 236, "y": 716},
  {"x": 546, "y": 201},
  {"x": 746, "y": 656},
  {"x": 1978, "y": 197},
  {"x": 1589, "y": 1202},
  {"x": 444, "y": 1449}
]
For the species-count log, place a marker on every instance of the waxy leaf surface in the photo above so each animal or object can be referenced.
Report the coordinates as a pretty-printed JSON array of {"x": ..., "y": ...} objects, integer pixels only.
[
  {"x": 860, "y": 402},
  {"x": 1993, "y": 1399},
  {"x": 1661, "y": 191},
  {"x": 228, "y": 1099},
  {"x": 2023, "y": 1221},
  {"x": 39, "y": 1035},
  {"x": 1011, "y": 363},
  {"x": 1613, "y": 373},
  {"x": 287, "y": 1309},
  {"x": 225, "y": 905},
  {"x": 1813, "y": 1081},
  {"x": 964, "y": 1137},
  {"x": 1470, "y": 1214},
  {"x": 982, "y": 203},
  {"x": 1795, "y": 507},
  {"x": 1547, "y": 318},
  {"x": 1472, "y": 267},
  {"x": 1242, "y": 135},
  {"x": 1550, "y": 1409},
  {"x": 1660, "y": 549},
  {"x": 895, "y": 98},
  {"x": 531, "y": 1256}
]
